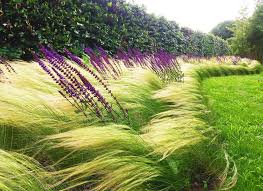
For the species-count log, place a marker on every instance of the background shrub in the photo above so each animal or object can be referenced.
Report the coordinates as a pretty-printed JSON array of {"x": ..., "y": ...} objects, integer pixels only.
[{"x": 111, "y": 24}]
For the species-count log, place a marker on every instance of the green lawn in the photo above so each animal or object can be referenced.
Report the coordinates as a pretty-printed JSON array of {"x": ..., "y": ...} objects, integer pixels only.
[{"x": 236, "y": 105}]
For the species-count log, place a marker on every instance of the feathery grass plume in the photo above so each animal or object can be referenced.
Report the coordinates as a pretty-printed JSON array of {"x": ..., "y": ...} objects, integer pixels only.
[
  {"x": 19, "y": 172},
  {"x": 115, "y": 171},
  {"x": 114, "y": 158},
  {"x": 181, "y": 120},
  {"x": 2, "y": 73},
  {"x": 135, "y": 90},
  {"x": 29, "y": 108},
  {"x": 108, "y": 154},
  {"x": 220, "y": 60},
  {"x": 5, "y": 67},
  {"x": 93, "y": 141}
]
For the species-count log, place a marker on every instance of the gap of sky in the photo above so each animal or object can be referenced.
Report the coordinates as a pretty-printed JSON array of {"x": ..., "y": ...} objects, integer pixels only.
[{"x": 201, "y": 15}]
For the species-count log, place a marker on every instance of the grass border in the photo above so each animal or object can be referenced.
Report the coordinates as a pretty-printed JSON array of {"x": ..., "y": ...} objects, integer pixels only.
[{"x": 228, "y": 177}]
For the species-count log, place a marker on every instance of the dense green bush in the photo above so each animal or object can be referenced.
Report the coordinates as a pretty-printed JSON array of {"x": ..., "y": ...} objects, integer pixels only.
[
  {"x": 112, "y": 24},
  {"x": 201, "y": 44}
]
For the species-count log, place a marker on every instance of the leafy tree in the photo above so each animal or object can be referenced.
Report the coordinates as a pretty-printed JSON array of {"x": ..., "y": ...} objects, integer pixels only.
[
  {"x": 248, "y": 34},
  {"x": 223, "y": 30},
  {"x": 255, "y": 33},
  {"x": 239, "y": 42}
]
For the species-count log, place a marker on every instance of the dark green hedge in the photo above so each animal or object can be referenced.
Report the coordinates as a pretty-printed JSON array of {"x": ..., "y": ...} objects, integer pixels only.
[{"x": 112, "y": 24}]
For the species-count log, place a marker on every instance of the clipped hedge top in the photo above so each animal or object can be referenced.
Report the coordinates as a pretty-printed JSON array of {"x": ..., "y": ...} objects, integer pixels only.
[{"x": 112, "y": 24}]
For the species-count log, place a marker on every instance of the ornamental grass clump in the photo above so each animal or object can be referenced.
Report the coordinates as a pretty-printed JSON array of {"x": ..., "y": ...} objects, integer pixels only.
[
  {"x": 5, "y": 67},
  {"x": 75, "y": 87},
  {"x": 222, "y": 60},
  {"x": 19, "y": 172},
  {"x": 156, "y": 157},
  {"x": 189, "y": 58}
]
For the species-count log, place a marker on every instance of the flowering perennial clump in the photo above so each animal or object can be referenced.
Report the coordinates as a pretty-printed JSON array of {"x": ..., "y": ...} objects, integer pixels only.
[
  {"x": 102, "y": 62},
  {"x": 83, "y": 95},
  {"x": 164, "y": 64},
  {"x": 78, "y": 61},
  {"x": 75, "y": 87}
]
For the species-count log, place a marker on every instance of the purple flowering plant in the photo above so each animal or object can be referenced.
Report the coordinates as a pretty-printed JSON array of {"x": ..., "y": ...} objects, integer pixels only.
[
  {"x": 76, "y": 88},
  {"x": 79, "y": 90}
]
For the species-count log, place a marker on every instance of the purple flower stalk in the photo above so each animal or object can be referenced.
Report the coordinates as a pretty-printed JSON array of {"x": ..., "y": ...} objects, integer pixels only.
[
  {"x": 84, "y": 66},
  {"x": 75, "y": 88}
]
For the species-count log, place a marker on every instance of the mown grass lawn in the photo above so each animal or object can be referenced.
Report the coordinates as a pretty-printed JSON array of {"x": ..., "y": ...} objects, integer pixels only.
[{"x": 236, "y": 105}]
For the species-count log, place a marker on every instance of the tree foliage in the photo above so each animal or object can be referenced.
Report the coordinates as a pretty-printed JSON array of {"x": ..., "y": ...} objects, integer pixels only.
[
  {"x": 248, "y": 35},
  {"x": 223, "y": 30},
  {"x": 255, "y": 33},
  {"x": 239, "y": 42},
  {"x": 111, "y": 24}
]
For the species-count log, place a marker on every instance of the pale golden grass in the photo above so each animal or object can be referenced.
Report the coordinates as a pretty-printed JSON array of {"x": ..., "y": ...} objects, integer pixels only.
[
  {"x": 19, "y": 172},
  {"x": 167, "y": 134},
  {"x": 114, "y": 157}
]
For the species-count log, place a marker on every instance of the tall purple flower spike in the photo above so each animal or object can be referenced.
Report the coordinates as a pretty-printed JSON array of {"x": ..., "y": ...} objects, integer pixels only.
[
  {"x": 74, "y": 86},
  {"x": 78, "y": 61}
]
